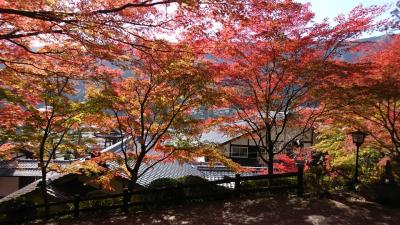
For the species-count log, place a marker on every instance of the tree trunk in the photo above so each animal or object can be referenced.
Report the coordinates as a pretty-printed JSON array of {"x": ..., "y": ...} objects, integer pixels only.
[
  {"x": 43, "y": 187},
  {"x": 134, "y": 177},
  {"x": 132, "y": 182},
  {"x": 270, "y": 150},
  {"x": 135, "y": 171},
  {"x": 270, "y": 162}
]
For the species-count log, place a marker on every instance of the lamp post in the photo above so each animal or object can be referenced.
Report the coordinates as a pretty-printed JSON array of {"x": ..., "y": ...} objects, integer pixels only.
[{"x": 358, "y": 140}]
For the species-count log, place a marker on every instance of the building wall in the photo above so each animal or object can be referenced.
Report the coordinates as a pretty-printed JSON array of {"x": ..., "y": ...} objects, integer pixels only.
[
  {"x": 308, "y": 140},
  {"x": 8, "y": 185}
]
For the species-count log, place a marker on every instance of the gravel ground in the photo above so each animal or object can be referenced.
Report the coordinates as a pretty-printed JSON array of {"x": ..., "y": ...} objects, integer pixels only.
[{"x": 266, "y": 210}]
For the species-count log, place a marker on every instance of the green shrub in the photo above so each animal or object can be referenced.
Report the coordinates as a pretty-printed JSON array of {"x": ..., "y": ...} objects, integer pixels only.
[
  {"x": 164, "y": 189},
  {"x": 163, "y": 183},
  {"x": 19, "y": 212},
  {"x": 191, "y": 180},
  {"x": 98, "y": 205},
  {"x": 341, "y": 166},
  {"x": 199, "y": 187},
  {"x": 282, "y": 181},
  {"x": 320, "y": 185},
  {"x": 250, "y": 184}
]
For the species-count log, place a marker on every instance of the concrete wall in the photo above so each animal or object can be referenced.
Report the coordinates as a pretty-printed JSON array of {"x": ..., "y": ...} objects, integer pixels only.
[{"x": 8, "y": 185}]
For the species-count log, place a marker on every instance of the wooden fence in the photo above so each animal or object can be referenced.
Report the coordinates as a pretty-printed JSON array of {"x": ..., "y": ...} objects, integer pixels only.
[{"x": 123, "y": 202}]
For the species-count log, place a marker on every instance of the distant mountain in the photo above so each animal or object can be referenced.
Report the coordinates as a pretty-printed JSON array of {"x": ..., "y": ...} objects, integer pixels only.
[
  {"x": 204, "y": 113},
  {"x": 351, "y": 57}
]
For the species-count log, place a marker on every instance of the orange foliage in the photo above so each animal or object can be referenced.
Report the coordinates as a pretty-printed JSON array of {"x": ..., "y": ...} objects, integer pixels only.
[{"x": 271, "y": 63}]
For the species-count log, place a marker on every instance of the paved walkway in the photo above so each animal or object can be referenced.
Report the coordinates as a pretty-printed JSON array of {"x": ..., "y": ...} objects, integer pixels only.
[{"x": 267, "y": 210}]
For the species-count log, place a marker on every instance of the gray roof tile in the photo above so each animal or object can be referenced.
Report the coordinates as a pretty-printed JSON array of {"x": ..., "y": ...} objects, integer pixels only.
[
  {"x": 215, "y": 137},
  {"x": 167, "y": 170},
  {"x": 24, "y": 167},
  {"x": 220, "y": 172}
]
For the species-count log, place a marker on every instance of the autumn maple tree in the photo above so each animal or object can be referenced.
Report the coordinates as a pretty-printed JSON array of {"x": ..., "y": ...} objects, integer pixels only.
[
  {"x": 54, "y": 38},
  {"x": 268, "y": 60},
  {"x": 48, "y": 47},
  {"x": 152, "y": 106},
  {"x": 370, "y": 100},
  {"x": 49, "y": 110},
  {"x": 272, "y": 63}
]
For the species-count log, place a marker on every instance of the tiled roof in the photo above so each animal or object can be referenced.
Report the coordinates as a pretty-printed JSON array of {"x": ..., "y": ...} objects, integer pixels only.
[
  {"x": 220, "y": 172},
  {"x": 167, "y": 170},
  {"x": 174, "y": 169},
  {"x": 215, "y": 137},
  {"x": 164, "y": 169},
  {"x": 20, "y": 173},
  {"x": 24, "y": 167}
]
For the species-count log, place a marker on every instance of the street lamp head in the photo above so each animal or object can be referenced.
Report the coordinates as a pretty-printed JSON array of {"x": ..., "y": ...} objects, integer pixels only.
[{"x": 358, "y": 137}]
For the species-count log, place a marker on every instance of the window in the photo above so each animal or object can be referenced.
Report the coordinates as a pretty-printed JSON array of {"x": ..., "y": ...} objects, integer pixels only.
[{"x": 239, "y": 152}]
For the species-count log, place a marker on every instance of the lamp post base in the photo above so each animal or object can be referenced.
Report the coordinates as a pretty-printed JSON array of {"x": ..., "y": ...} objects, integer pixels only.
[{"x": 353, "y": 185}]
